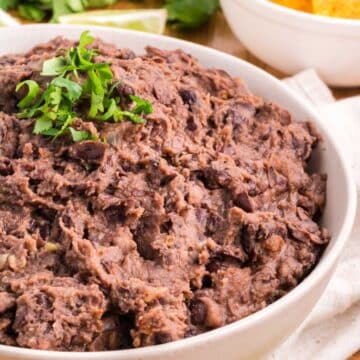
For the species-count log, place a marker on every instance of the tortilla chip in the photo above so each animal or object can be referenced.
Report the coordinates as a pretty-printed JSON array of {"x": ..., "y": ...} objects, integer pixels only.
[
  {"x": 303, "y": 5},
  {"x": 337, "y": 8}
]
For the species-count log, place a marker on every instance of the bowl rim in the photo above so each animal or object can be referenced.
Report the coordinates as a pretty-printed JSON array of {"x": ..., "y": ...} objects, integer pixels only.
[
  {"x": 304, "y": 16},
  {"x": 327, "y": 261}
]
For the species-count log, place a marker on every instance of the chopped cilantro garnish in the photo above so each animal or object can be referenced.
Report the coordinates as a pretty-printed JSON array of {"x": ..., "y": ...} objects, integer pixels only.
[
  {"x": 80, "y": 135},
  {"x": 33, "y": 92},
  {"x": 142, "y": 106},
  {"x": 73, "y": 89},
  {"x": 55, "y": 108},
  {"x": 53, "y": 67}
]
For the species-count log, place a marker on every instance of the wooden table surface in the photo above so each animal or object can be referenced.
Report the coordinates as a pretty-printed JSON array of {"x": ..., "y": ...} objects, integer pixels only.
[{"x": 217, "y": 34}]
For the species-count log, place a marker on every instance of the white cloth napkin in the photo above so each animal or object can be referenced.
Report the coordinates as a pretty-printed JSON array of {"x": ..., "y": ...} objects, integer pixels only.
[{"x": 332, "y": 331}]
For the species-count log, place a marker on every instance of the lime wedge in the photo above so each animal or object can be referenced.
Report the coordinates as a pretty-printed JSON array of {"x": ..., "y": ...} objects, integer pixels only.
[
  {"x": 149, "y": 20},
  {"x": 7, "y": 20}
]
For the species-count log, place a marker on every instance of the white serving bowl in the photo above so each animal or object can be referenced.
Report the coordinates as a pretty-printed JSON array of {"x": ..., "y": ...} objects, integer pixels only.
[
  {"x": 292, "y": 41},
  {"x": 261, "y": 332}
]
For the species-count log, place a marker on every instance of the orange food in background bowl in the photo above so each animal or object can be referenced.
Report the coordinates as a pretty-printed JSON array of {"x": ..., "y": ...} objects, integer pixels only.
[
  {"x": 337, "y": 8},
  {"x": 349, "y": 9},
  {"x": 303, "y": 5}
]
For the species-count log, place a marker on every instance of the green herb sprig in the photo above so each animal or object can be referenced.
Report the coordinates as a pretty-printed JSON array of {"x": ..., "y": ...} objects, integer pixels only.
[{"x": 77, "y": 79}]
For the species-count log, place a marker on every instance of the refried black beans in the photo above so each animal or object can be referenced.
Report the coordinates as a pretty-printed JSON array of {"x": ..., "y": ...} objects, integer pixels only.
[{"x": 196, "y": 219}]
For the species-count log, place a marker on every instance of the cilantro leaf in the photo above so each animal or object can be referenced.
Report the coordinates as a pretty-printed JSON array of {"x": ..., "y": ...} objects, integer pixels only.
[
  {"x": 69, "y": 118},
  {"x": 53, "y": 67},
  {"x": 97, "y": 93},
  {"x": 142, "y": 106},
  {"x": 85, "y": 39},
  {"x": 133, "y": 117},
  {"x": 190, "y": 13},
  {"x": 74, "y": 90},
  {"x": 112, "y": 108},
  {"x": 42, "y": 124},
  {"x": 80, "y": 135},
  {"x": 96, "y": 104},
  {"x": 84, "y": 55},
  {"x": 53, "y": 97},
  {"x": 50, "y": 132},
  {"x": 33, "y": 91}
]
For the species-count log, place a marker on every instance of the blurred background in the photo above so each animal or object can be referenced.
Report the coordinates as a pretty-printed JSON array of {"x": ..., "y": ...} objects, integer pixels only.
[{"x": 200, "y": 21}]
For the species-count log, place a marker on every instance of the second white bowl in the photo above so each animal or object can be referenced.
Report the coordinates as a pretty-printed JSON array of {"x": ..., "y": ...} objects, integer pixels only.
[{"x": 292, "y": 41}]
